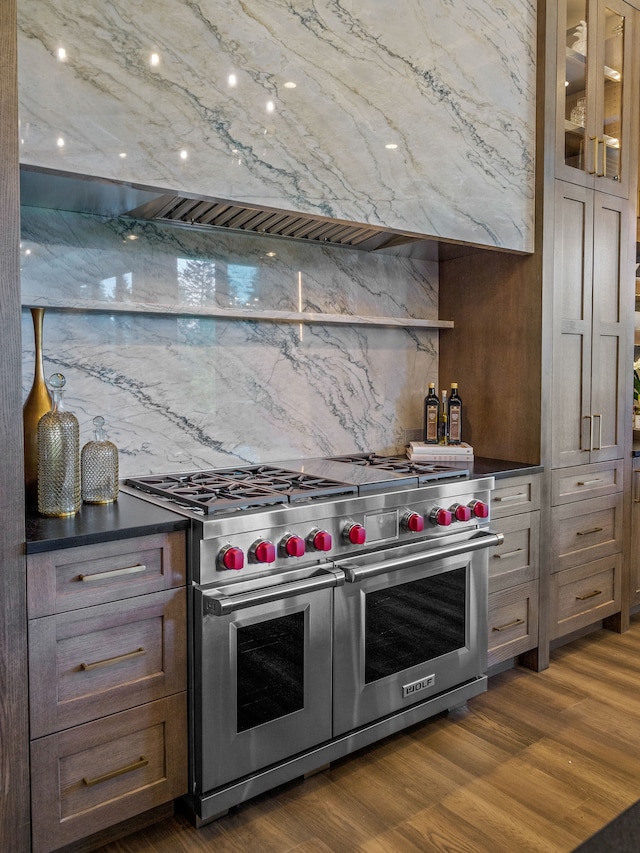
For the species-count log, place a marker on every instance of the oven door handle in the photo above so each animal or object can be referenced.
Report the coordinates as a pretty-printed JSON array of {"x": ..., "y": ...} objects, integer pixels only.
[
  {"x": 482, "y": 539},
  {"x": 217, "y": 603}
]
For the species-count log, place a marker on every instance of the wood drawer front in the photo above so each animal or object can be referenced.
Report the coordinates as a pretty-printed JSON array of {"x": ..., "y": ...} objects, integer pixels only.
[
  {"x": 89, "y": 663},
  {"x": 584, "y": 595},
  {"x": 513, "y": 622},
  {"x": 70, "y": 578},
  {"x": 586, "y": 481},
  {"x": 93, "y": 776},
  {"x": 515, "y": 494},
  {"x": 517, "y": 560},
  {"x": 585, "y": 531}
]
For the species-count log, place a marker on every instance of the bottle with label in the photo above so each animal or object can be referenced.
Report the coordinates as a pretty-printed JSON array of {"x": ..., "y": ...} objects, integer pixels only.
[
  {"x": 431, "y": 414},
  {"x": 99, "y": 468},
  {"x": 58, "y": 456},
  {"x": 444, "y": 415},
  {"x": 455, "y": 415}
]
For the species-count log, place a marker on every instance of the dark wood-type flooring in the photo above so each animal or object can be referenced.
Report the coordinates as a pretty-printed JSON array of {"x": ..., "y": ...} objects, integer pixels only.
[{"x": 538, "y": 763}]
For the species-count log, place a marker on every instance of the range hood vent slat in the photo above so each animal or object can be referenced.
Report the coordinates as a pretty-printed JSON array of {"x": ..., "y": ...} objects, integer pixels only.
[{"x": 227, "y": 214}]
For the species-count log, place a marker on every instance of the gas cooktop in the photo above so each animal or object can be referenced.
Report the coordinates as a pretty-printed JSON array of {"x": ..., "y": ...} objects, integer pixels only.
[{"x": 253, "y": 486}]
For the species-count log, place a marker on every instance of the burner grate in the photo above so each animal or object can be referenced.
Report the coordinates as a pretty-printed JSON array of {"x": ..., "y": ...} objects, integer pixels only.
[
  {"x": 240, "y": 488},
  {"x": 426, "y": 471}
]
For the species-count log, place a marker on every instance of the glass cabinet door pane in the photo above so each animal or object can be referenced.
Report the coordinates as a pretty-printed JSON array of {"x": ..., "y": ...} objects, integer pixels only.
[
  {"x": 612, "y": 80},
  {"x": 575, "y": 113}
]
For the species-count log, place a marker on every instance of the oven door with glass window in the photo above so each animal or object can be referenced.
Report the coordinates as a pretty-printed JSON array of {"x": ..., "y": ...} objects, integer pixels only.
[
  {"x": 262, "y": 672},
  {"x": 409, "y": 623}
]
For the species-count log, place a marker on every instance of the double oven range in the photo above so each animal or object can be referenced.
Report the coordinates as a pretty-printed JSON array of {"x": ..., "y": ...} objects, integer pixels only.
[{"x": 333, "y": 602}]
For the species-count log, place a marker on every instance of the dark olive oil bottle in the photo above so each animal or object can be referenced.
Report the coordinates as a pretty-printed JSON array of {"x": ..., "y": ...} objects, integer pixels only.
[
  {"x": 431, "y": 413},
  {"x": 455, "y": 415}
]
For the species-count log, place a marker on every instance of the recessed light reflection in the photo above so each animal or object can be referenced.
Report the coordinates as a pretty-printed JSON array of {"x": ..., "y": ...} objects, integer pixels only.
[
  {"x": 271, "y": 254},
  {"x": 232, "y": 80},
  {"x": 290, "y": 84},
  {"x": 391, "y": 146},
  {"x": 270, "y": 106},
  {"x": 60, "y": 142},
  {"x": 122, "y": 155},
  {"x": 154, "y": 59},
  {"x": 184, "y": 154},
  {"x": 62, "y": 54},
  {"x": 132, "y": 236}
]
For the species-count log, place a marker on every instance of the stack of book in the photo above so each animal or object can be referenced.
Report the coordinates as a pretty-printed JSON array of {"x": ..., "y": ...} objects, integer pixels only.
[{"x": 418, "y": 451}]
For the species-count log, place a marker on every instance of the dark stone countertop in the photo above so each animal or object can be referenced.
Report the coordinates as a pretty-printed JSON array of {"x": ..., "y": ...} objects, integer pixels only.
[
  {"x": 125, "y": 518},
  {"x": 498, "y": 468}
]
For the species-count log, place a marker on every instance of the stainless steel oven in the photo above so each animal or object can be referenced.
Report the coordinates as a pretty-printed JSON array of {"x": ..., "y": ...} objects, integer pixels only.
[
  {"x": 262, "y": 690},
  {"x": 410, "y": 622},
  {"x": 333, "y": 602}
]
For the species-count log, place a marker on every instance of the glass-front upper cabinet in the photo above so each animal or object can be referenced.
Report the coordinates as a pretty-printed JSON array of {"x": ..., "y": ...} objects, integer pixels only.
[{"x": 594, "y": 94}]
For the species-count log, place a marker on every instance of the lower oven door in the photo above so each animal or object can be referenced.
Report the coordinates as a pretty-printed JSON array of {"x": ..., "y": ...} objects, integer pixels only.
[
  {"x": 262, "y": 673},
  {"x": 410, "y": 622}
]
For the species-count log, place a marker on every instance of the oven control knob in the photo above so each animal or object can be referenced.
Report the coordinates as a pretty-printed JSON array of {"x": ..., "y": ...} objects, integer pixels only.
[
  {"x": 232, "y": 558},
  {"x": 355, "y": 533},
  {"x": 414, "y": 522},
  {"x": 479, "y": 508},
  {"x": 264, "y": 551},
  {"x": 320, "y": 540},
  {"x": 293, "y": 546},
  {"x": 460, "y": 512},
  {"x": 440, "y": 516}
]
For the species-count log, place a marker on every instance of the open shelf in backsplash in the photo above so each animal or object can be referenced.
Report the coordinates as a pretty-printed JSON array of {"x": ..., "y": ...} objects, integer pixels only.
[{"x": 241, "y": 314}]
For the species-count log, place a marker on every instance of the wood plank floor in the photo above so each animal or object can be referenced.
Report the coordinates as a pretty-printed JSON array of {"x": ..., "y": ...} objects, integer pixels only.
[{"x": 538, "y": 763}]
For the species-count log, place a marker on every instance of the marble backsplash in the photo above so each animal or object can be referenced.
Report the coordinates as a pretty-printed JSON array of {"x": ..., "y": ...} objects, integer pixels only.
[{"x": 181, "y": 390}]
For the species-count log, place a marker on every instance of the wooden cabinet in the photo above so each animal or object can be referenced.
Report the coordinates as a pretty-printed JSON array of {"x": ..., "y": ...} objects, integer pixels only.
[
  {"x": 591, "y": 332},
  {"x": 586, "y": 546},
  {"x": 107, "y": 679},
  {"x": 514, "y": 568},
  {"x": 595, "y": 61}
]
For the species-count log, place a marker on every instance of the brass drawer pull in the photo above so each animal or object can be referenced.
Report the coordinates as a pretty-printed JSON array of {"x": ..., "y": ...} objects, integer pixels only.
[
  {"x": 587, "y": 532},
  {"x": 114, "y": 573},
  {"x": 509, "y": 625},
  {"x": 512, "y": 497},
  {"x": 509, "y": 554},
  {"x": 589, "y": 595},
  {"x": 117, "y": 659},
  {"x": 589, "y": 482},
  {"x": 141, "y": 762}
]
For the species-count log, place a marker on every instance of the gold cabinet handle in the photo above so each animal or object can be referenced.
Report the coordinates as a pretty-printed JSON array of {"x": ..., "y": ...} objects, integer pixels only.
[
  {"x": 508, "y": 554},
  {"x": 589, "y": 482},
  {"x": 599, "y": 417},
  {"x": 594, "y": 139},
  {"x": 589, "y": 595},
  {"x": 587, "y": 532},
  {"x": 511, "y": 497},
  {"x": 108, "y": 661},
  {"x": 141, "y": 762},
  {"x": 590, "y": 419},
  {"x": 508, "y": 625},
  {"x": 114, "y": 573}
]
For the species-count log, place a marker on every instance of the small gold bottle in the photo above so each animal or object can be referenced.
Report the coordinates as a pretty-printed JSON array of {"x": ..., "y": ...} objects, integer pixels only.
[
  {"x": 58, "y": 456},
  {"x": 99, "y": 467}
]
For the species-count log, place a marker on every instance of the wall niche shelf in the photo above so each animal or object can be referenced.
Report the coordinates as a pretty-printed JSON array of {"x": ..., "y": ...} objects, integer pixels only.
[{"x": 257, "y": 315}]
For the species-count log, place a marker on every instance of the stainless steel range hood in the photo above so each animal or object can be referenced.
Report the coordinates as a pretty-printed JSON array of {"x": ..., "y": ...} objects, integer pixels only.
[
  {"x": 226, "y": 214},
  {"x": 85, "y": 194}
]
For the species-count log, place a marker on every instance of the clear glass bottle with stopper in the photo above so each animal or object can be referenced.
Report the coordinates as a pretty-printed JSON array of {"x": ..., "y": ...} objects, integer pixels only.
[
  {"x": 99, "y": 465},
  {"x": 58, "y": 456}
]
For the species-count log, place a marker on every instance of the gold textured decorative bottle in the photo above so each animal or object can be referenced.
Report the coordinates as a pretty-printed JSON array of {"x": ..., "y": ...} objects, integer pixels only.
[
  {"x": 36, "y": 405},
  {"x": 58, "y": 456},
  {"x": 99, "y": 468}
]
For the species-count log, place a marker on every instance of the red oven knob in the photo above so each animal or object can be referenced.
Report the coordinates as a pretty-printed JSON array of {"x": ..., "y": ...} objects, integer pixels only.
[
  {"x": 320, "y": 540},
  {"x": 479, "y": 508},
  {"x": 414, "y": 522},
  {"x": 293, "y": 546},
  {"x": 440, "y": 516},
  {"x": 232, "y": 558},
  {"x": 355, "y": 533},
  {"x": 264, "y": 551},
  {"x": 460, "y": 512}
]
